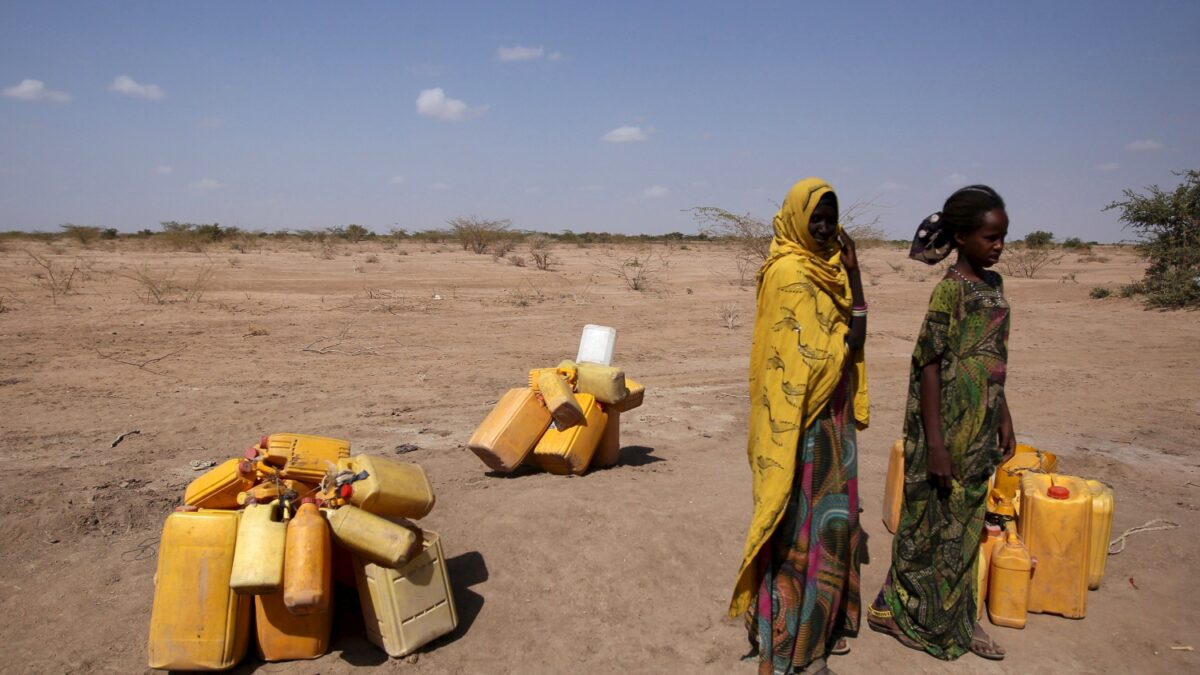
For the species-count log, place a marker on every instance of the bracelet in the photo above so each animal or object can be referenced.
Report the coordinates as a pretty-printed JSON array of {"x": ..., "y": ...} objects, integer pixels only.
[
  {"x": 858, "y": 313},
  {"x": 860, "y": 308}
]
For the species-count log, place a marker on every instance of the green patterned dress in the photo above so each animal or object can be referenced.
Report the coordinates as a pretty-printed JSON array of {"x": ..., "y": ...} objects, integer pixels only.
[{"x": 930, "y": 588}]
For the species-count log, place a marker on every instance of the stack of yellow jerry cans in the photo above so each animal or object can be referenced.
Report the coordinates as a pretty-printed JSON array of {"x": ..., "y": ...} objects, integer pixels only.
[
  {"x": 1046, "y": 543},
  {"x": 263, "y": 535},
  {"x": 569, "y": 417}
]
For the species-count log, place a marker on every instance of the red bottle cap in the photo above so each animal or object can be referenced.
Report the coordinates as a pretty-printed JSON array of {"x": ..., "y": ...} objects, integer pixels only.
[
  {"x": 345, "y": 490},
  {"x": 264, "y": 442},
  {"x": 246, "y": 467},
  {"x": 308, "y": 500},
  {"x": 251, "y": 452},
  {"x": 1058, "y": 492}
]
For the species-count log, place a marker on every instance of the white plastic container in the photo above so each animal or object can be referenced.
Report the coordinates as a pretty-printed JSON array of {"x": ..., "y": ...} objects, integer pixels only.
[{"x": 596, "y": 344}]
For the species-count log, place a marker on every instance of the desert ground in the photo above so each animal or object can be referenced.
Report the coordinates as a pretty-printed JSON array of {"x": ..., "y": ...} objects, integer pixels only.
[{"x": 622, "y": 570}]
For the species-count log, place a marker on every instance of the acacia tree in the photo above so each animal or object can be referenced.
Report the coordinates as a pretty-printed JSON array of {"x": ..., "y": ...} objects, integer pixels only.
[
  {"x": 1168, "y": 224},
  {"x": 477, "y": 234}
]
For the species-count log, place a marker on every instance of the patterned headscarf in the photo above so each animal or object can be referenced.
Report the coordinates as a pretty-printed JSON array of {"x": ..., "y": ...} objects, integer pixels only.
[
  {"x": 933, "y": 241},
  {"x": 935, "y": 236}
]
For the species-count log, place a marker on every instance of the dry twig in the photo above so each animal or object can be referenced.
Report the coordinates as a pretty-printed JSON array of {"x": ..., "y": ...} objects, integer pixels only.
[{"x": 140, "y": 364}]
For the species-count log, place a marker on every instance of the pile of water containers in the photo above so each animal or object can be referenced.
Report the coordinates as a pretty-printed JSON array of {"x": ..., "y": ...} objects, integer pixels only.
[{"x": 261, "y": 539}]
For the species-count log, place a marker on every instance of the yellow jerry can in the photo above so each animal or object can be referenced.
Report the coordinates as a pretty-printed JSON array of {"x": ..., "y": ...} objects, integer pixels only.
[
  {"x": 304, "y": 457},
  {"x": 374, "y": 538},
  {"x": 893, "y": 487},
  {"x": 509, "y": 432},
  {"x": 283, "y": 636},
  {"x": 197, "y": 622},
  {"x": 1102, "y": 514},
  {"x": 637, "y": 393},
  {"x": 1055, "y": 523},
  {"x": 218, "y": 487},
  {"x": 258, "y": 559},
  {"x": 569, "y": 451},
  {"x": 1008, "y": 581},
  {"x": 407, "y": 606},
  {"x": 391, "y": 488}
]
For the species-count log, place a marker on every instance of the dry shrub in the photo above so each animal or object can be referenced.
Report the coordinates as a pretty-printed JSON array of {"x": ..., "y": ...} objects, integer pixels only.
[
  {"x": 372, "y": 258},
  {"x": 158, "y": 287},
  {"x": 516, "y": 260},
  {"x": 84, "y": 234},
  {"x": 1027, "y": 261},
  {"x": 750, "y": 236},
  {"x": 539, "y": 251},
  {"x": 640, "y": 271},
  {"x": 524, "y": 295},
  {"x": 54, "y": 278},
  {"x": 729, "y": 314},
  {"x": 256, "y": 330},
  {"x": 867, "y": 236}
]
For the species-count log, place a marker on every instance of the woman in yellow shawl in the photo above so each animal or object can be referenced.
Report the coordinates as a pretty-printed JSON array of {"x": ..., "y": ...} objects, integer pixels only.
[{"x": 799, "y": 581}]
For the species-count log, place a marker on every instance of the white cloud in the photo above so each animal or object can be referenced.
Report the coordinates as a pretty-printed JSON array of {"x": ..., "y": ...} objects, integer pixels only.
[
  {"x": 439, "y": 187},
  {"x": 434, "y": 103},
  {"x": 164, "y": 170},
  {"x": 396, "y": 180},
  {"x": 210, "y": 123},
  {"x": 35, "y": 90},
  {"x": 891, "y": 186},
  {"x": 1145, "y": 145},
  {"x": 654, "y": 192},
  {"x": 1108, "y": 166},
  {"x": 955, "y": 179},
  {"x": 520, "y": 53},
  {"x": 627, "y": 135},
  {"x": 206, "y": 185},
  {"x": 554, "y": 56},
  {"x": 124, "y": 84}
]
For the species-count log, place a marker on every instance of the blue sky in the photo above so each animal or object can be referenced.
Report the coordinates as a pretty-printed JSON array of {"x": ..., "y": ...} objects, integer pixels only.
[{"x": 614, "y": 117}]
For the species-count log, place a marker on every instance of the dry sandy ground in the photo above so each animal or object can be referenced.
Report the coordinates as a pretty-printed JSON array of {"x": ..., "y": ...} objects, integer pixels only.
[{"x": 623, "y": 570}]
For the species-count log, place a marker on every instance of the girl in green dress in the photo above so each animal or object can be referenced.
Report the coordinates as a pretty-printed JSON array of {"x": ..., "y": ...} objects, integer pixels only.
[{"x": 957, "y": 428}]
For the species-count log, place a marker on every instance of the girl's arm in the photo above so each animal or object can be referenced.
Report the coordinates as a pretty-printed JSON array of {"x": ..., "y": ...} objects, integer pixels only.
[
  {"x": 941, "y": 470},
  {"x": 856, "y": 337},
  {"x": 1008, "y": 437}
]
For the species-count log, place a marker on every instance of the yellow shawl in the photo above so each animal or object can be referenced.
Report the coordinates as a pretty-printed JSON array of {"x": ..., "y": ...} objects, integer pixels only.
[{"x": 796, "y": 361}]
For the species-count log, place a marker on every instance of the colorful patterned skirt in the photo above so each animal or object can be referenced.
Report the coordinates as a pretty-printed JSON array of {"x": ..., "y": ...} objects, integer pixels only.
[{"x": 809, "y": 596}]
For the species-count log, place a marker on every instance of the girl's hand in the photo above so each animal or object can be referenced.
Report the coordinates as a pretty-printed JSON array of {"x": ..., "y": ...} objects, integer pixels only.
[
  {"x": 849, "y": 256},
  {"x": 1008, "y": 439},
  {"x": 941, "y": 469}
]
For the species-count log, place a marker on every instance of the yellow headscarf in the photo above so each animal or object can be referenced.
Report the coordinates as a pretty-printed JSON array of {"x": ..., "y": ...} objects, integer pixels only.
[{"x": 797, "y": 358}]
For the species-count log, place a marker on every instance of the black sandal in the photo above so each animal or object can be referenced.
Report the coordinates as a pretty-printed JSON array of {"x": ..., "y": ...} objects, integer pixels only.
[{"x": 983, "y": 646}]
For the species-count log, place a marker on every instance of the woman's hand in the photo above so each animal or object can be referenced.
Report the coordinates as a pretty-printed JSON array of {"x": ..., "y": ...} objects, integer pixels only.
[
  {"x": 941, "y": 469},
  {"x": 1007, "y": 437},
  {"x": 849, "y": 255}
]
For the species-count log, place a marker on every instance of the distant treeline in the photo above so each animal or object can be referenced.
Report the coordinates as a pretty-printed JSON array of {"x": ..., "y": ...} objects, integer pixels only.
[{"x": 215, "y": 232}]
